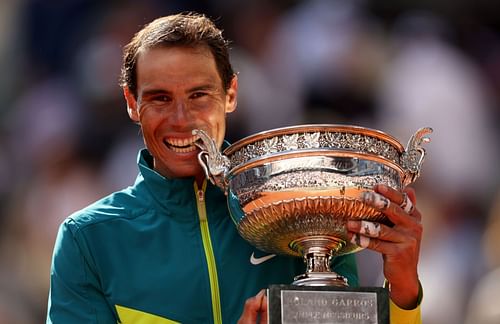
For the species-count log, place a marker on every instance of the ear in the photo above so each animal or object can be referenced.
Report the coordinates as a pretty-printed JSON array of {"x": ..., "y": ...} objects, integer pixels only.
[
  {"x": 232, "y": 95},
  {"x": 131, "y": 104}
]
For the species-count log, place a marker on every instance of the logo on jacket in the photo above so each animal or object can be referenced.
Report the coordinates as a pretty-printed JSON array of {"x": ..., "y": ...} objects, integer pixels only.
[{"x": 256, "y": 261}]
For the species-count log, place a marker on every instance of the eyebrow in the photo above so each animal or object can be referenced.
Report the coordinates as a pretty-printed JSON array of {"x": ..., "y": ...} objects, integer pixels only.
[
  {"x": 152, "y": 92},
  {"x": 202, "y": 87}
]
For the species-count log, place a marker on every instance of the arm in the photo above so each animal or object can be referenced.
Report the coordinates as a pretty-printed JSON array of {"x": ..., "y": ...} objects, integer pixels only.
[
  {"x": 75, "y": 295},
  {"x": 399, "y": 245}
]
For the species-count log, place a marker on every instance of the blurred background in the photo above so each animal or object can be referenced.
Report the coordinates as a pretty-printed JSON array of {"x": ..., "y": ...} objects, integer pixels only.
[{"x": 65, "y": 137}]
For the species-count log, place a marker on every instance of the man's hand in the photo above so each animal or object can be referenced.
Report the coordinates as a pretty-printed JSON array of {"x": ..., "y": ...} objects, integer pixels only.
[
  {"x": 255, "y": 309},
  {"x": 398, "y": 244}
]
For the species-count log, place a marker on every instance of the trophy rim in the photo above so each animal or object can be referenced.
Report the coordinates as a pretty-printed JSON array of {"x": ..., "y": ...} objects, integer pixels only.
[
  {"x": 315, "y": 128},
  {"x": 313, "y": 153}
]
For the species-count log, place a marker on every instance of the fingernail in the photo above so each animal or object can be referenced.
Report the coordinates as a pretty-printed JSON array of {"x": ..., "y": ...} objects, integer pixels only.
[
  {"x": 370, "y": 228},
  {"x": 367, "y": 196},
  {"x": 355, "y": 239},
  {"x": 360, "y": 240},
  {"x": 375, "y": 200}
]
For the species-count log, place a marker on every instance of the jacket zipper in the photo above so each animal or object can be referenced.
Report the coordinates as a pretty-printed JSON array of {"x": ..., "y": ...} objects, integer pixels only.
[{"x": 209, "y": 252}]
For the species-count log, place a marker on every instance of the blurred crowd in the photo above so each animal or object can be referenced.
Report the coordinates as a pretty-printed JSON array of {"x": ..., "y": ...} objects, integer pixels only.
[{"x": 65, "y": 137}]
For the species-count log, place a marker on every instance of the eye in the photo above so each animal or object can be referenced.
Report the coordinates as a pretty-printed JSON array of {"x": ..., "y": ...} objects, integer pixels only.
[
  {"x": 198, "y": 94},
  {"x": 161, "y": 99}
]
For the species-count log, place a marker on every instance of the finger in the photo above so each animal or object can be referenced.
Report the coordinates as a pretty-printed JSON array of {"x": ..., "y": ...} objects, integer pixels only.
[
  {"x": 375, "y": 200},
  {"x": 413, "y": 198},
  {"x": 253, "y": 307},
  {"x": 388, "y": 192},
  {"x": 393, "y": 212},
  {"x": 406, "y": 199},
  {"x": 360, "y": 240},
  {"x": 407, "y": 205},
  {"x": 411, "y": 194},
  {"x": 263, "y": 310},
  {"x": 416, "y": 215},
  {"x": 371, "y": 243},
  {"x": 373, "y": 230}
]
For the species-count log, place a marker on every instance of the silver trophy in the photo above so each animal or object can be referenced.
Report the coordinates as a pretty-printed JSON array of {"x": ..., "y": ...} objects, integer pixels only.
[{"x": 292, "y": 190}]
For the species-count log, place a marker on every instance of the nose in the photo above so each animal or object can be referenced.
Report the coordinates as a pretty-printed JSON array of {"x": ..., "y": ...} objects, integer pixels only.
[{"x": 180, "y": 114}]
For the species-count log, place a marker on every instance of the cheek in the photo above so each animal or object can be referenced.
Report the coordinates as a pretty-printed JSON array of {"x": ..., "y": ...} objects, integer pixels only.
[
  {"x": 219, "y": 127},
  {"x": 149, "y": 122},
  {"x": 149, "y": 115}
]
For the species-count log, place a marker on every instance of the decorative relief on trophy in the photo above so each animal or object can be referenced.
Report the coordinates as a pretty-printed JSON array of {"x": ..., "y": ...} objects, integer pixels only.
[{"x": 292, "y": 190}]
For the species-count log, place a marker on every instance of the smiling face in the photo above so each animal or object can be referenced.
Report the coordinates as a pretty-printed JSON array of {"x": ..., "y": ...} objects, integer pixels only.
[{"x": 179, "y": 89}]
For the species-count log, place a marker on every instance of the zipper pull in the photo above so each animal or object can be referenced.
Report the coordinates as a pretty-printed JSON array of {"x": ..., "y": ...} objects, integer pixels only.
[{"x": 201, "y": 195}]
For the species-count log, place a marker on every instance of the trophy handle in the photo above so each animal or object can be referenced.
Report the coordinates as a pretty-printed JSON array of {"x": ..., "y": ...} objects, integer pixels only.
[
  {"x": 414, "y": 155},
  {"x": 214, "y": 163}
]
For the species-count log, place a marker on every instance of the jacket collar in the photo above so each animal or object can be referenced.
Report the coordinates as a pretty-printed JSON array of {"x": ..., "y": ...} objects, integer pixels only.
[{"x": 170, "y": 192}]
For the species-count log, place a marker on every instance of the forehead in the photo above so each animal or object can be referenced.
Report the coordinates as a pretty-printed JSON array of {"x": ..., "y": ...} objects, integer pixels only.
[{"x": 174, "y": 64}]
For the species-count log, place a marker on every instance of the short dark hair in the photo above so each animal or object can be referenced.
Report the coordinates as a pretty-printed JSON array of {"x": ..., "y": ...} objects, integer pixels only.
[{"x": 184, "y": 29}]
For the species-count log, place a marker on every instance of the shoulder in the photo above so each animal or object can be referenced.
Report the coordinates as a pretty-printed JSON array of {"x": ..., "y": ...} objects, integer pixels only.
[{"x": 124, "y": 204}]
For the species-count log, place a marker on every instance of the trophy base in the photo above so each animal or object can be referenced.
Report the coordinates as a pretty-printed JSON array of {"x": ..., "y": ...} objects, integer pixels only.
[
  {"x": 318, "y": 279},
  {"x": 333, "y": 305}
]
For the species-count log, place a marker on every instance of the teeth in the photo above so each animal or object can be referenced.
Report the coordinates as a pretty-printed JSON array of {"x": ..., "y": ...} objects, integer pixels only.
[
  {"x": 180, "y": 142},
  {"x": 182, "y": 145},
  {"x": 183, "y": 150}
]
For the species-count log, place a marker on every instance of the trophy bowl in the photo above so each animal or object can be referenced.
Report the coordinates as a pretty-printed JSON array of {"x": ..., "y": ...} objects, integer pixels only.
[{"x": 292, "y": 190}]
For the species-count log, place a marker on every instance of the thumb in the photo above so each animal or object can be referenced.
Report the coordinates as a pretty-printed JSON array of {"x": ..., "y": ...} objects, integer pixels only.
[{"x": 254, "y": 307}]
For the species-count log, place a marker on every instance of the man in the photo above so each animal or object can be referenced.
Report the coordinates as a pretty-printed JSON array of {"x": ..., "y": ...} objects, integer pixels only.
[{"x": 165, "y": 249}]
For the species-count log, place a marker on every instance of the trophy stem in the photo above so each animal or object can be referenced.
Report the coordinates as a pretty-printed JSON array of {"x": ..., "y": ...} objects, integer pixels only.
[{"x": 318, "y": 252}]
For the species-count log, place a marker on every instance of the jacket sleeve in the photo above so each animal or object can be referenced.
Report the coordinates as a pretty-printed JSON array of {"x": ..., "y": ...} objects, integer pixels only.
[
  {"x": 402, "y": 316},
  {"x": 75, "y": 295}
]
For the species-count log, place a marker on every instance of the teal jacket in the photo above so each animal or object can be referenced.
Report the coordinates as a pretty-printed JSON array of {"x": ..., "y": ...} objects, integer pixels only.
[{"x": 161, "y": 251}]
